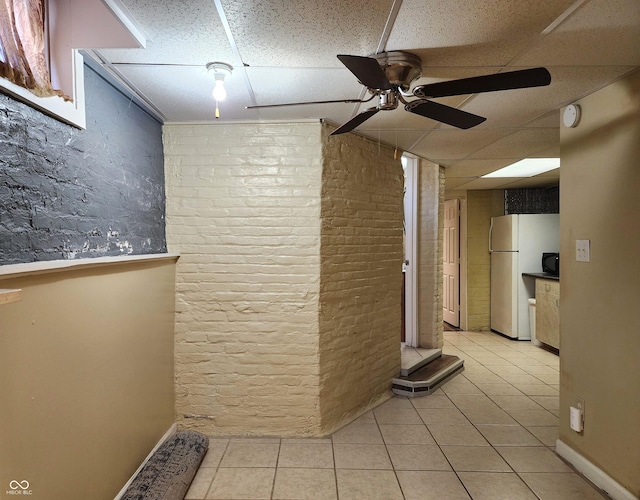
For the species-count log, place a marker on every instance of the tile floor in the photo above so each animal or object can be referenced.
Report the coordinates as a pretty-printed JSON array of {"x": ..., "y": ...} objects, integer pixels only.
[{"x": 489, "y": 433}]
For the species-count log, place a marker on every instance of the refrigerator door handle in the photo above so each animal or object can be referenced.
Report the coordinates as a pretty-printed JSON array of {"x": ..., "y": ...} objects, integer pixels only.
[{"x": 490, "y": 235}]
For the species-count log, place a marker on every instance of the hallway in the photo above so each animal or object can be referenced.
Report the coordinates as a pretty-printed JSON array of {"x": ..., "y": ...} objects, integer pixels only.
[{"x": 489, "y": 433}]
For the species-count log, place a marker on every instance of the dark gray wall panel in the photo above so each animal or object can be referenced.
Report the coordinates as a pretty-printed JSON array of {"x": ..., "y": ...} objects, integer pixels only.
[
  {"x": 532, "y": 201},
  {"x": 67, "y": 193}
]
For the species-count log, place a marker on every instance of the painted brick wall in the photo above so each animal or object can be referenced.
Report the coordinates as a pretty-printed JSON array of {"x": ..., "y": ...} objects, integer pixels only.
[
  {"x": 243, "y": 210},
  {"x": 288, "y": 285},
  {"x": 361, "y": 275},
  {"x": 430, "y": 254},
  {"x": 69, "y": 194}
]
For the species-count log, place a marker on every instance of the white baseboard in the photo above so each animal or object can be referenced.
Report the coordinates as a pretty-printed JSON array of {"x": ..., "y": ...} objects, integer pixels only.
[
  {"x": 594, "y": 474},
  {"x": 167, "y": 435}
]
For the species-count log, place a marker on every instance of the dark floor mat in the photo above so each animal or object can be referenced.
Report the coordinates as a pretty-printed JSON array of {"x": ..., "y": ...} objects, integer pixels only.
[{"x": 169, "y": 472}]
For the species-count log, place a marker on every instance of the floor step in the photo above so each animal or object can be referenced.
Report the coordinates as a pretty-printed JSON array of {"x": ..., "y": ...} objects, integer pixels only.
[
  {"x": 428, "y": 377},
  {"x": 418, "y": 360}
]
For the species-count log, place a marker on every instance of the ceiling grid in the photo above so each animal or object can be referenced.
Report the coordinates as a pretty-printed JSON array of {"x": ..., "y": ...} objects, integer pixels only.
[{"x": 286, "y": 52}]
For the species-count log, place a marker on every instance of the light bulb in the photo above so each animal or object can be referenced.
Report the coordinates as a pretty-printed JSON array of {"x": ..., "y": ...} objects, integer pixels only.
[{"x": 219, "y": 92}]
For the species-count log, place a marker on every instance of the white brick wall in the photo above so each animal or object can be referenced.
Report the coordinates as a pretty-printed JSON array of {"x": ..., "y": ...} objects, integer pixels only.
[
  {"x": 255, "y": 219},
  {"x": 361, "y": 276},
  {"x": 430, "y": 248},
  {"x": 243, "y": 207}
]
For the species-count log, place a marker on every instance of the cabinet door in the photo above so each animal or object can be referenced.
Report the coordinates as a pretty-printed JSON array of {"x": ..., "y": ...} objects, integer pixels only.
[{"x": 548, "y": 312}]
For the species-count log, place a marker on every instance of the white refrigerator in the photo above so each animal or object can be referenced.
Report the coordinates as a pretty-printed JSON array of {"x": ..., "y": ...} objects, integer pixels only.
[{"x": 516, "y": 245}]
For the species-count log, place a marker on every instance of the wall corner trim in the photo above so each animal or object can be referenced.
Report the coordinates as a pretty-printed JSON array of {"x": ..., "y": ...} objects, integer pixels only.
[
  {"x": 54, "y": 266},
  {"x": 594, "y": 474}
]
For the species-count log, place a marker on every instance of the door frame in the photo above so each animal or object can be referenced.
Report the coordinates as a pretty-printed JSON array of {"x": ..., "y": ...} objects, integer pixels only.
[
  {"x": 410, "y": 164},
  {"x": 463, "y": 263}
]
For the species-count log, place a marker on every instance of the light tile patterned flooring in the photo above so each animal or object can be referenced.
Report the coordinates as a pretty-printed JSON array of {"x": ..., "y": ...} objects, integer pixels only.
[{"x": 489, "y": 433}]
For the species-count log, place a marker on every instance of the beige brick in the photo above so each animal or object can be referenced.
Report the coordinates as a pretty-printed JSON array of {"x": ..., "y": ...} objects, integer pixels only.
[{"x": 288, "y": 285}]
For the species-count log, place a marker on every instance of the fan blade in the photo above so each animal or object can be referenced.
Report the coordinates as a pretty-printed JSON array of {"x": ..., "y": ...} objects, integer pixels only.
[
  {"x": 367, "y": 71},
  {"x": 355, "y": 121},
  {"x": 536, "y": 77},
  {"x": 445, "y": 114},
  {"x": 302, "y": 103}
]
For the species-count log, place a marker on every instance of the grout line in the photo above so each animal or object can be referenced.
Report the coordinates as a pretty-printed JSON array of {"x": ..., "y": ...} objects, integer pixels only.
[
  {"x": 449, "y": 397},
  {"x": 226, "y": 447},
  {"x": 490, "y": 444}
]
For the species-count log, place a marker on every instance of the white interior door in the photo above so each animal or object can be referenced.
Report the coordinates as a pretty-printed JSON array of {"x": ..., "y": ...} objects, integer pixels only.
[{"x": 451, "y": 263}]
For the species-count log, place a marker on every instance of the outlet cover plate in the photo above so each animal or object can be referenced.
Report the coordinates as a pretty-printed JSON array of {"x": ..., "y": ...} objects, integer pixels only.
[{"x": 583, "y": 253}]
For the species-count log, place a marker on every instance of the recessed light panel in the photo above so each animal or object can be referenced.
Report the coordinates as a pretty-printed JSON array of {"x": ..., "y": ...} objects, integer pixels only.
[{"x": 526, "y": 168}]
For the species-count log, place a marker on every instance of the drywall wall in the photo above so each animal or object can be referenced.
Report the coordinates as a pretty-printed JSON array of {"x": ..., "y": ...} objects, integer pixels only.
[
  {"x": 67, "y": 193},
  {"x": 599, "y": 320},
  {"x": 86, "y": 373},
  {"x": 86, "y": 377}
]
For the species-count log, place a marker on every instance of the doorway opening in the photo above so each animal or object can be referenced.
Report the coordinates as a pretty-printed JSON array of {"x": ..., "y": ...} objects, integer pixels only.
[
  {"x": 409, "y": 333},
  {"x": 451, "y": 264}
]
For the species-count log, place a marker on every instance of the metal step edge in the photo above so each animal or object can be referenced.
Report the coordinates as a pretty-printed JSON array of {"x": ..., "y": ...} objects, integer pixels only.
[
  {"x": 408, "y": 370},
  {"x": 426, "y": 387}
]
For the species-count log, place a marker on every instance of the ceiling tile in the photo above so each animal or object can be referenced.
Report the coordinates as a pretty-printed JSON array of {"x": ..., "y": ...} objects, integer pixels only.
[
  {"x": 519, "y": 107},
  {"x": 451, "y": 183},
  {"x": 553, "y": 152},
  {"x": 289, "y": 85},
  {"x": 443, "y": 145},
  {"x": 550, "y": 120},
  {"x": 186, "y": 32},
  {"x": 520, "y": 144},
  {"x": 475, "y": 168},
  {"x": 463, "y": 33},
  {"x": 402, "y": 139},
  {"x": 532, "y": 182},
  {"x": 491, "y": 183},
  {"x": 599, "y": 33},
  {"x": 184, "y": 94},
  {"x": 305, "y": 33}
]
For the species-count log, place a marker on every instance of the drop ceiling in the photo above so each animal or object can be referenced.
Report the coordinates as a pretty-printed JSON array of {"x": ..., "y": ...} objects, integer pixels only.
[{"x": 285, "y": 51}]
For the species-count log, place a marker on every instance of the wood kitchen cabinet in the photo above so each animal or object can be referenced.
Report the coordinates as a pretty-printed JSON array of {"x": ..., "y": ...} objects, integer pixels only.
[{"x": 548, "y": 312}]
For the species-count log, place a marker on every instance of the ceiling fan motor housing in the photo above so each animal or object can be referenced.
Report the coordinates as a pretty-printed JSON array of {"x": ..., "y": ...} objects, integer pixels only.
[
  {"x": 401, "y": 68},
  {"x": 388, "y": 100}
]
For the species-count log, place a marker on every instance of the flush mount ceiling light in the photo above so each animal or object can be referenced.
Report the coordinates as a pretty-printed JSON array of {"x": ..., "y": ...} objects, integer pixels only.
[
  {"x": 220, "y": 71},
  {"x": 526, "y": 168}
]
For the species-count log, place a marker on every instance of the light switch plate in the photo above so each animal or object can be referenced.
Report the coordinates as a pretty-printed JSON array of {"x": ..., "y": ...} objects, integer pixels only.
[{"x": 582, "y": 250}]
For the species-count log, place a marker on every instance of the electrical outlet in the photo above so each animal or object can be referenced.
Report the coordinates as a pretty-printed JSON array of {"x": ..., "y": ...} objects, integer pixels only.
[
  {"x": 576, "y": 415},
  {"x": 583, "y": 250}
]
